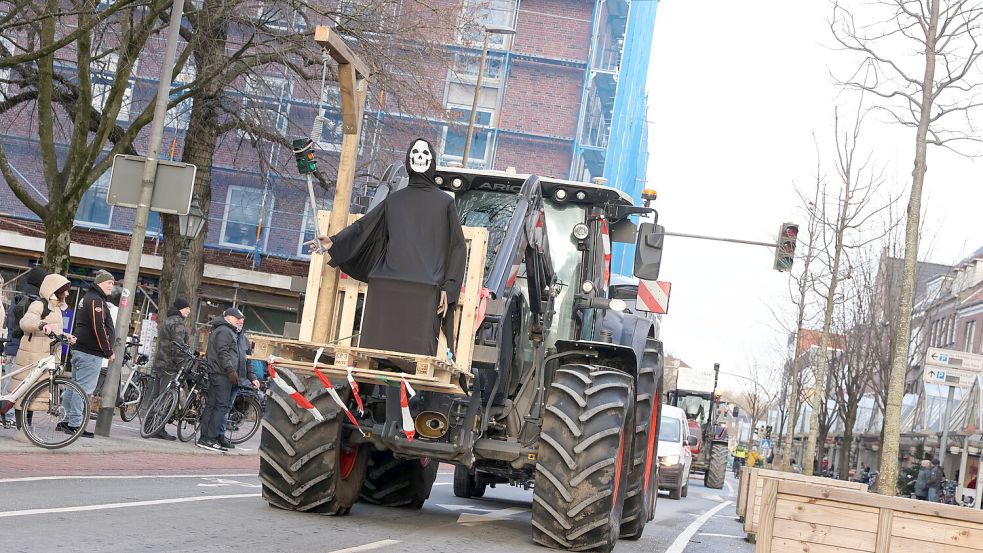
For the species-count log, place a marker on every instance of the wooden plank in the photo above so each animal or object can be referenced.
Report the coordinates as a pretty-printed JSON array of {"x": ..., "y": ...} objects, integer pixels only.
[
  {"x": 824, "y": 534},
  {"x": 907, "y": 545},
  {"x": 370, "y": 376},
  {"x": 338, "y": 49},
  {"x": 880, "y": 501},
  {"x": 349, "y": 287},
  {"x": 752, "y": 499},
  {"x": 884, "y": 531},
  {"x": 828, "y": 503},
  {"x": 823, "y": 514},
  {"x": 741, "y": 503},
  {"x": 785, "y": 545},
  {"x": 769, "y": 498},
  {"x": 470, "y": 295},
  {"x": 317, "y": 265},
  {"x": 953, "y": 522},
  {"x": 926, "y": 529},
  {"x": 796, "y": 477}
]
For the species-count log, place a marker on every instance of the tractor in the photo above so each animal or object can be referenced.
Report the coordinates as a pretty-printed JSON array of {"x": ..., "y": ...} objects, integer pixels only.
[
  {"x": 695, "y": 392},
  {"x": 561, "y": 393}
]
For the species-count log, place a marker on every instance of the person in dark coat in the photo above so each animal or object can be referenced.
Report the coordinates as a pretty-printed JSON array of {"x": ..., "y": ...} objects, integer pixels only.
[
  {"x": 921, "y": 481},
  {"x": 227, "y": 366},
  {"x": 169, "y": 357},
  {"x": 96, "y": 334},
  {"x": 935, "y": 478},
  {"x": 410, "y": 249},
  {"x": 30, "y": 291}
]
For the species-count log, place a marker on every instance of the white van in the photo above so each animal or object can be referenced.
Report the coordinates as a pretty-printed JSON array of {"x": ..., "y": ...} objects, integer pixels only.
[{"x": 675, "y": 457}]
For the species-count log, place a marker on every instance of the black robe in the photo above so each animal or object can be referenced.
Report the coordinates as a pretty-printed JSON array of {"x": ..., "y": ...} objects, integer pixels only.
[{"x": 408, "y": 249}]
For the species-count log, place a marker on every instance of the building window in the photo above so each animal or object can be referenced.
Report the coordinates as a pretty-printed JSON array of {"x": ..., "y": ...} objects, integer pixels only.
[
  {"x": 5, "y": 74},
  {"x": 266, "y": 103},
  {"x": 332, "y": 130},
  {"x": 969, "y": 337},
  {"x": 309, "y": 226},
  {"x": 104, "y": 69},
  {"x": 93, "y": 209},
  {"x": 367, "y": 17},
  {"x": 274, "y": 16},
  {"x": 456, "y": 135},
  {"x": 243, "y": 212},
  {"x": 179, "y": 115},
  {"x": 466, "y": 68},
  {"x": 479, "y": 13}
]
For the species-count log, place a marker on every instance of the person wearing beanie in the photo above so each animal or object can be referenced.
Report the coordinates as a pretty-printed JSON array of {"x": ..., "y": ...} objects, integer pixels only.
[
  {"x": 169, "y": 357},
  {"x": 96, "y": 334}
]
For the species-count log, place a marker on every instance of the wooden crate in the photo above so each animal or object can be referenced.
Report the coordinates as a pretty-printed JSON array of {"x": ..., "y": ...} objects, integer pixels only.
[
  {"x": 742, "y": 492},
  {"x": 803, "y": 516},
  {"x": 428, "y": 373},
  {"x": 756, "y": 482}
]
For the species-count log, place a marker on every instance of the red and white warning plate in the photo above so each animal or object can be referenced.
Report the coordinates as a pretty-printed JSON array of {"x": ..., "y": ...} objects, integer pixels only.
[{"x": 653, "y": 296}]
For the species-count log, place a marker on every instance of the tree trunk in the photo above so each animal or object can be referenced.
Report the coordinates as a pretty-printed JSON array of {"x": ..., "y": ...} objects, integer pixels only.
[
  {"x": 58, "y": 223},
  {"x": 849, "y": 420},
  {"x": 887, "y": 482}
]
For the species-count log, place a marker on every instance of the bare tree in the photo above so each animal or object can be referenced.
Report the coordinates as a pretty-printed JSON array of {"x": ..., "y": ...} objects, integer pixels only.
[
  {"x": 755, "y": 396},
  {"x": 918, "y": 57},
  {"x": 853, "y": 208}
]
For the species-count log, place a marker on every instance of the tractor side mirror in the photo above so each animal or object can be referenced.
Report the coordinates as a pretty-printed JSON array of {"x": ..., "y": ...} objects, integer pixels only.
[{"x": 648, "y": 251}]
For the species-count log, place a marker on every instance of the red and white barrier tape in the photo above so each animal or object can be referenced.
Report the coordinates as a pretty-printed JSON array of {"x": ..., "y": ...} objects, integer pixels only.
[
  {"x": 355, "y": 392},
  {"x": 404, "y": 406},
  {"x": 298, "y": 397},
  {"x": 334, "y": 393}
]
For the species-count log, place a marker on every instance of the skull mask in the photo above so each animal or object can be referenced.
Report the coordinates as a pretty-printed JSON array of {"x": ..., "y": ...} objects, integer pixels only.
[{"x": 420, "y": 156}]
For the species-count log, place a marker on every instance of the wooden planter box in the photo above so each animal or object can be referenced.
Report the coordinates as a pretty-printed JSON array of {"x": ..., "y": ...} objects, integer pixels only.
[
  {"x": 742, "y": 492},
  {"x": 757, "y": 479},
  {"x": 801, "y": 516}
]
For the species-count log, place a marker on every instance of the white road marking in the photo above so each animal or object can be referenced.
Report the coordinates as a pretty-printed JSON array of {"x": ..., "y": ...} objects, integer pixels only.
[
  {"x": 730, "y": 490},
  {"x": 709, "y": 535},
  {"x": 682, "y": 540},
  {"x": 484, "y": 515},
  {"x": 104, "y": 506},
  {"x": 216, "y": 482},
  {"x": 366, "y": 547},
  {"x": 120, "y": 477},
  {"x": 711, "y": 497},
  {"x": 443, "y": 484}
]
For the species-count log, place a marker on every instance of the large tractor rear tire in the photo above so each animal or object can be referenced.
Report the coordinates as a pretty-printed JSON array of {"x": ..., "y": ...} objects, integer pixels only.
[
  {"x": 306, "y": 464},
  {"x": 585, "y": 454},
  {"x": 643, "y": 478},
  {"x": 466, "y": 483},
  {"x": 393, "y": 482},
  {"x": 717, "y": 467}
]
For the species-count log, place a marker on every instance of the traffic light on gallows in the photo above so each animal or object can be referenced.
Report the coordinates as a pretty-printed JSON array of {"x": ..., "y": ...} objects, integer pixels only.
[
  {"x": 788, "y": 235},
  {"x": 304, "y": 155}
]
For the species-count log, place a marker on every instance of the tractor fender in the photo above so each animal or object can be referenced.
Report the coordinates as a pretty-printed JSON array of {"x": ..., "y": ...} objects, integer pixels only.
[
  {"x": 629, "y": 330},
  {"x": 617, "y": 356}
]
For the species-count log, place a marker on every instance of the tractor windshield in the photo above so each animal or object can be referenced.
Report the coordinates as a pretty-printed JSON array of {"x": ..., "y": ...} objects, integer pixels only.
[
  {"x": 489, "y": 210},
  {"x": 696, "y": 408},
  {"x": 567, "y": 261}
]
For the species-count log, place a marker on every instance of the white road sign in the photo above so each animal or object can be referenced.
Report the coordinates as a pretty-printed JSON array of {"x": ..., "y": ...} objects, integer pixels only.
[{"x": 951, "y": 367}]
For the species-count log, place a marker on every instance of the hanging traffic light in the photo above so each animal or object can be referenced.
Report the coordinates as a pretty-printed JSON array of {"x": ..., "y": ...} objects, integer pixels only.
[
  {"x": 304, "y": 155},
  {"x": 788, "y": 235}
]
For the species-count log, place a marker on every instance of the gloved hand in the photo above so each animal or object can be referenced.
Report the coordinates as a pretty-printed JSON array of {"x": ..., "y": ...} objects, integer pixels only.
[{"x": 233, "y": 378}]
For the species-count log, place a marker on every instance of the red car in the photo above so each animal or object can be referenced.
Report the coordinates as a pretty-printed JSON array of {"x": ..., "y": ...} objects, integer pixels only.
[{"x": 695, "y": 430}]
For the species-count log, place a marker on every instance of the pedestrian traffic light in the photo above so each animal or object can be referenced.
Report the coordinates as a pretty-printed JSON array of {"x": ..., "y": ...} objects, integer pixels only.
[
  {"x": 304, "y": 155},
  {"x": 788, "y": 235}
]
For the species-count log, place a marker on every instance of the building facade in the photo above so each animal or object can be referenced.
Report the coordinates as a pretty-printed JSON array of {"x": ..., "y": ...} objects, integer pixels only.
[{"x": 563, "y": 97}]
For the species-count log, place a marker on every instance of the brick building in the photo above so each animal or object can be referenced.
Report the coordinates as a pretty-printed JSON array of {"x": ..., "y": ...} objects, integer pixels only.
[{"x": 546, "y": 106}]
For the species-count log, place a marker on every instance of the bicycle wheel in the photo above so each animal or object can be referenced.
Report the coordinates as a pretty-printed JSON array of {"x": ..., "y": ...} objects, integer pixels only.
[
  {"x": 190, "y": 421},
  {"x": 41, "y": 427},
  {"x": 130, "y": 400},
  {"x": 159, "y": 413},
  {"x": 244, "y": 419}
]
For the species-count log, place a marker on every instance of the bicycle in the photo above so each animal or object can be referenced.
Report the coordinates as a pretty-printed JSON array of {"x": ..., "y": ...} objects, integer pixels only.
[
  {"x": 189, "y": 422},
  {"x": 131, "y": 391},
  {"x": 245, "y": 416},
  {"x": 41, "y": 426},
  {"x": 167, "y": 406}
]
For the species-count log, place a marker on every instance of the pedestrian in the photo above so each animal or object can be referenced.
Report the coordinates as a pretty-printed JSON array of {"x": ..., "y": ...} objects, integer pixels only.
[
  {"x": 226, "y": 361},
  {"x": 30, "y": 290},
  {"x": 795, "y": 467},
  {"x": 935, "y": 478},
  {"x": 170, "y": 357},
  {"x": 921, "y": 481},
  {"x": 246, "y": 372},
  {"x": 96, "y": 334},
  {"x": 42, "y": 318}
]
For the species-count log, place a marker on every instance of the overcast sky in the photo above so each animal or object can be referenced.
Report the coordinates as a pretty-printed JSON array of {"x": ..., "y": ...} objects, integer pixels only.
[{"x": 736, "y": 91}]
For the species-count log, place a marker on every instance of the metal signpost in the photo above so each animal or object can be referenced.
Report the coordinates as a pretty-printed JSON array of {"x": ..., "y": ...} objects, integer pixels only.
[
  {"x": 952, "y": 369},
  {"x": 173, "y": 184}
]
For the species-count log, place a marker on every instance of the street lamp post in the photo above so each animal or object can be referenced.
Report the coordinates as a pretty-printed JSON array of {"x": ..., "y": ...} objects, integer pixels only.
[
  {"x": 190, "y": 226},
  {"x": 486, "y": 30}
]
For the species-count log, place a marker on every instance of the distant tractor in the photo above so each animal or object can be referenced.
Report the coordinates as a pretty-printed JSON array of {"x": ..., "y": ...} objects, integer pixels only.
[{"x": 695, "y": 392}]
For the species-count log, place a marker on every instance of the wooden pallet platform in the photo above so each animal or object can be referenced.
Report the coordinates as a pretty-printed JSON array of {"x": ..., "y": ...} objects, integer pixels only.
[{"x": 368, "y": 365}]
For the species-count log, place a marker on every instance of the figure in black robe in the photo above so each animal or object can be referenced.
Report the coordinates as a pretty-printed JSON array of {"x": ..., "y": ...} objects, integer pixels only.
[{"x": 410, "y": 250}]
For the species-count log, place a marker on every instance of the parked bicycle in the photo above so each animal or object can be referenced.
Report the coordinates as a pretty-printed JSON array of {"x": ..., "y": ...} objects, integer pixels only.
[
  {"x": 245, "y": 416},
  {"x": 41, "y": 394},
  {"x": 132, "y": 389},
  {"x": 167, "y": 406}
]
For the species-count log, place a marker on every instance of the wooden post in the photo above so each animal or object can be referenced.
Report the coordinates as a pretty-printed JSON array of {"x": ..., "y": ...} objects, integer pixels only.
[{"x": 352, "y": 75}]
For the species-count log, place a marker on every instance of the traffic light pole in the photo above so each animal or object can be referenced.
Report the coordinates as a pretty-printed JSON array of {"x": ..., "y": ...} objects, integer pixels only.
[{"x": 720, "y": 239}]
